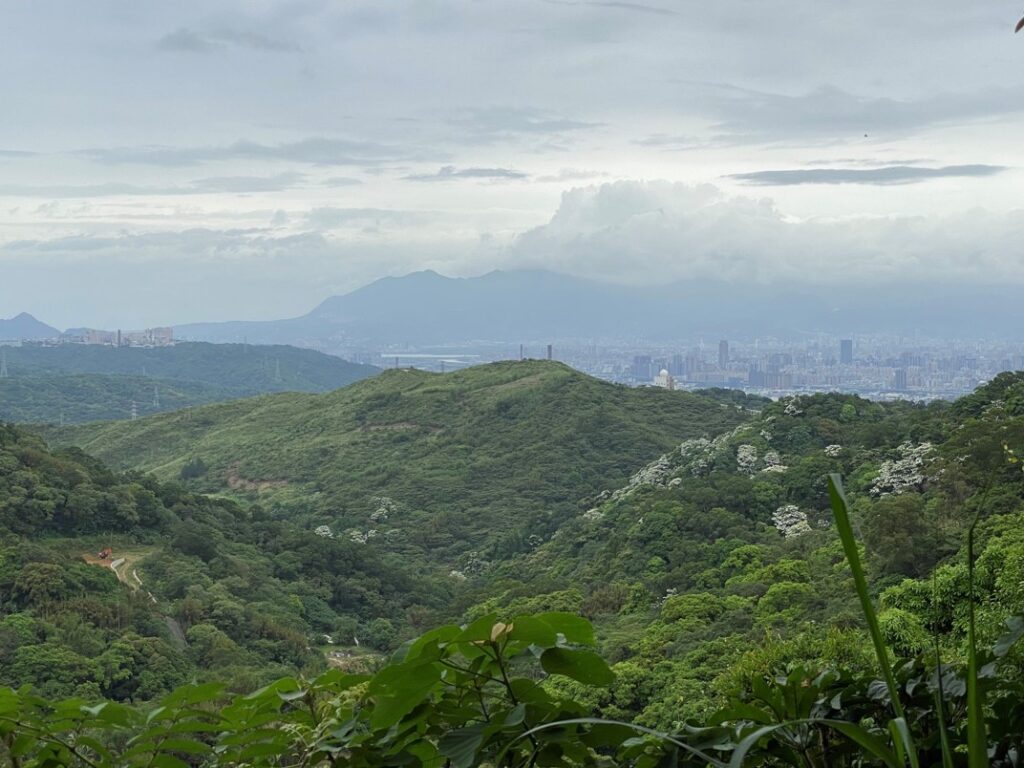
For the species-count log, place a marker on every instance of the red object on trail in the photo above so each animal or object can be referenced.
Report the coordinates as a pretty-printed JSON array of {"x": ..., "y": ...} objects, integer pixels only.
[{"x": 104, "y": 553}]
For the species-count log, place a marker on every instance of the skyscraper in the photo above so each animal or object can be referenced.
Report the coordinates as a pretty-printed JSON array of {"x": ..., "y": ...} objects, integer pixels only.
[
  {"x": 642, "y": 368},
  {"x": 723, "y": 354},
  {"x": 846, "y": 352},
  {"x": 900, "y": 380}
]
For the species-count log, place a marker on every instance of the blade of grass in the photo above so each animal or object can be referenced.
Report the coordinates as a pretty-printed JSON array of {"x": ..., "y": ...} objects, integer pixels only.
[
  {"x": 840, "y": 508},
  {"x": 977, "y": 739},
  {"x": 940, "y": 696}
]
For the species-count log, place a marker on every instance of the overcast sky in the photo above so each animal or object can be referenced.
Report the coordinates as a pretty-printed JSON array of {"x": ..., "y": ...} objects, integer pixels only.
[{"x": 174, "y": 162}]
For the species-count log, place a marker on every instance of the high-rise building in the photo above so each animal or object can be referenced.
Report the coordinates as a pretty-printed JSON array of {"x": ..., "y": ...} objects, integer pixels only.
[
  {"x": 642, "y": 370},
  {"x": 846, "y": 352},
  {"x": 900, "y": 380},
  {"x": 676, "y": 368},
  {"x": 723, "y": 355}
]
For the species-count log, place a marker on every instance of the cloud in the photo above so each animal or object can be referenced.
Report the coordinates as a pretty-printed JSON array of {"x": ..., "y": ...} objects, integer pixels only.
[
  {"x": 340, "y": 181},
  {"x": 491, "y": 124},
  {"x": 833, "y": 114},
  {"x": 314, "y": 151},
  {"x": 335, "y": 218},
  {"x": 213, "y": 185},
  {"x": 190, "y": 41},
  {"x": 248, "y": 184},
  {"x": 623, "y": 6},
  {"x": 572, "y": 174},
  {"x": 656, "y": 232},
  {"x": 891, "y": 174},
  {"x": 451, "y": 173}
]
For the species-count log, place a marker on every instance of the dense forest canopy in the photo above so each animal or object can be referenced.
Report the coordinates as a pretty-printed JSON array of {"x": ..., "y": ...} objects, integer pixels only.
[{"x": 709, "y": 570}]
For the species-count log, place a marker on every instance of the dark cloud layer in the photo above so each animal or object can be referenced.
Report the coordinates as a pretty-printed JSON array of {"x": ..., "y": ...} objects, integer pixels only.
[
  {"x": 893, "y": 174},
  {"x": 451, "y": 173},
  {"x": 313, "y": 151}
]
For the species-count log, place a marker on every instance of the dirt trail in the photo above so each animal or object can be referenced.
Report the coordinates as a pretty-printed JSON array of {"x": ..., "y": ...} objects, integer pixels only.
[{"x": 120, "y": 566}]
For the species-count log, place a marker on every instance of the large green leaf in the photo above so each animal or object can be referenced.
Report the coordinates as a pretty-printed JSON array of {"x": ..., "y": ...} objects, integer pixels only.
[{"x": 581, "y": 665}]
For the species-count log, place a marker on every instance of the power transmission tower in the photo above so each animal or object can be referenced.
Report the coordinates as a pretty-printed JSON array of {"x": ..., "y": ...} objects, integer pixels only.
[
  {"x": 3, "y": 363},
  {"x": 156, "y": 396},
  {"x": 135, "y": 410},
  {"x": 277, "y": 369}
]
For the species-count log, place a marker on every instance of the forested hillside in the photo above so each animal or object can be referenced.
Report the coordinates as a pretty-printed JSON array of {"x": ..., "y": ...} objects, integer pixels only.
[
  {"x": 713, "y": 571},
  {"x": 203, "y": 588},
  {"x": 459, "y": 468},
  {"x": 73, "y": 383}
]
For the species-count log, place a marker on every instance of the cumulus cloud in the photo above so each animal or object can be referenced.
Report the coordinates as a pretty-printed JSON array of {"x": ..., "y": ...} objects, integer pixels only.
[
  {"x": 645, "y": 232},
  {"x": 451, "y": 173},
  {"x": 891, "y": 174}
]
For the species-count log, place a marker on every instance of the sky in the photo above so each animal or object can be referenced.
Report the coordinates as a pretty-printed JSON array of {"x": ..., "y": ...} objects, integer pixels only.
[{"x": 163, "y": 163}]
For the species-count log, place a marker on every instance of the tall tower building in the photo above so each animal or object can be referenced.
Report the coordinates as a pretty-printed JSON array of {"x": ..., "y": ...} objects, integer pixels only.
[
  {"x": 846, "y": 352},
  {"x": 723, "y": 355}
]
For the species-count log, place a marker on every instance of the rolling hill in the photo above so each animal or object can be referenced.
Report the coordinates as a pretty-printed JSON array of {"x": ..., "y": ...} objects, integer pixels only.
[
  {"x": 457, "y": 468},
  {"x": 78, "y": 383}
]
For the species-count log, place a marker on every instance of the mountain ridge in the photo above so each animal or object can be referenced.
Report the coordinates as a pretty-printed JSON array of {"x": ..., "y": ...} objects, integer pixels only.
[{"x": 535, "y": 305}]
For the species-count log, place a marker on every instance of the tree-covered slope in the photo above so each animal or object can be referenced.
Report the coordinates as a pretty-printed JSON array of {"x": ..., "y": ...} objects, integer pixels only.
[
  {"x": 718, "y": 563},
  {"x": 203, "y": 588},
  {"x": 466, "y": 466},
  {"x": 84, "y": 397},
  {"x": 79, "y": 383}
]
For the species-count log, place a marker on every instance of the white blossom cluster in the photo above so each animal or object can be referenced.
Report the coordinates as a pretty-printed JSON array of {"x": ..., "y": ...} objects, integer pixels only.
[
  {"x": 657, "y": 472},
  {"x": 385, "y": 507},
  {"x": 790, "y": 521},
  {"x": 746, "y": 459},
  {"x": 903, "y": 474},
  {"x": 457, "y": 575},
  {"x": 773, "y": 462},
  {"x": 593, "y": 514},
  {"x": 324, "y": 530},
  {"x": 361, "y": 537},
  {"x": 793, "y": 407},
  {"x": 833, "y": 451}
]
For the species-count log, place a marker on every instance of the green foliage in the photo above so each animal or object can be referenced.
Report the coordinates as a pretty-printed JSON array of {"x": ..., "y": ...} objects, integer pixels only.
[{"x": 77, "y": 383}]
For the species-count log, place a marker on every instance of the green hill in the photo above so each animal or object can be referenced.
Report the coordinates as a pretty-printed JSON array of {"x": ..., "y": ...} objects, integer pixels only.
[
  {"x": 79, "y": 383},
  {"x": 195, "y": 586},
  {"x": 463, "y": 467}
]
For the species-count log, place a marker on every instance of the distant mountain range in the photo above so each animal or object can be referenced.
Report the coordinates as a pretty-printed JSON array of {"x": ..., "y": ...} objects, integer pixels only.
[
  {"x": 527, "y": 306},
  {"x": 24, "y": 327},
  {"x": 428, "y": 309}
]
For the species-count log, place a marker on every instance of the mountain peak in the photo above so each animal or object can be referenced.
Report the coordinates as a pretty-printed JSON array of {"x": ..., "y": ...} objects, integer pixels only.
[{"x": 25, "y": 327}]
